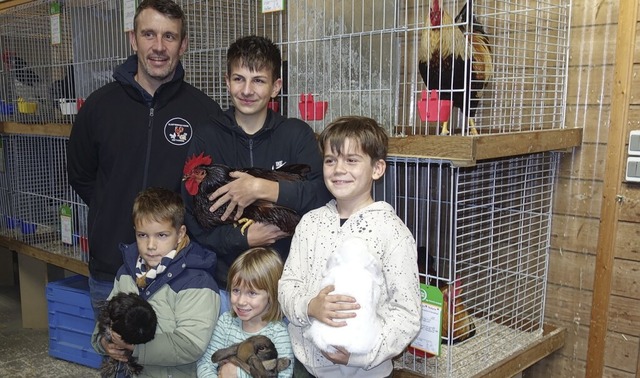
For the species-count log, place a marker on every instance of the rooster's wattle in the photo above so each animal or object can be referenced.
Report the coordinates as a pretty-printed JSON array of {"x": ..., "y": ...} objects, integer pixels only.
[{"x": 201, "y": 178}]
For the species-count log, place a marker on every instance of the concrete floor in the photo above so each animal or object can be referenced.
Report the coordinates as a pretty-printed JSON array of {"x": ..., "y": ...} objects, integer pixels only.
[{"x": 25, "y": 352}]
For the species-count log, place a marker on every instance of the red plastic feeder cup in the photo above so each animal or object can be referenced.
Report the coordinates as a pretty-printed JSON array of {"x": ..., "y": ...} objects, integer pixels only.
[
  {"x": 311, "y": 110},
  {"x": 433, "y": 109},
  {"x": 274, "y": 105}
]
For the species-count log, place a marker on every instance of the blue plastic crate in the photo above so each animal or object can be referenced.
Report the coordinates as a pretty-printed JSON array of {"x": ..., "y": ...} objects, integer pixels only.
[{"x": 71, "y": 321}]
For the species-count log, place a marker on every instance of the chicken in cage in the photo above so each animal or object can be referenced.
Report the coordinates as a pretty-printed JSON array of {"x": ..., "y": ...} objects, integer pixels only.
[
  {"x": 455, "y": 59},
  {"x": 483, "y": 234}
]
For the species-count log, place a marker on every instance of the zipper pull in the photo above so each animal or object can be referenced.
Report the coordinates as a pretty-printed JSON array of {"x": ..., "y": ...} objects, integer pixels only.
[{"x": 150, "y": 112}]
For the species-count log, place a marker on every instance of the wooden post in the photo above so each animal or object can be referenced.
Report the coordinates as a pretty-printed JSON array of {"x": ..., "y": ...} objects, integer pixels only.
[
  {"x": 6, "y": 267},
  {"x": 610, "y": 209},
  {"x": 33, "y": 299}
]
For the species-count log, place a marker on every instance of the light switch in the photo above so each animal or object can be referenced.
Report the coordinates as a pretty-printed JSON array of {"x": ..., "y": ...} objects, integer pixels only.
[
  {"x": 634, "y": 143},
  {"x": 633, "y": 169}
]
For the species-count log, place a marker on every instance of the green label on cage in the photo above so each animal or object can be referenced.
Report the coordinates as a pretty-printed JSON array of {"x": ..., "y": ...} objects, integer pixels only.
[
  {"x": 65, "y": 224},
  {"x": 54, "y": 8},
  {"x": 428, "y": 339}
]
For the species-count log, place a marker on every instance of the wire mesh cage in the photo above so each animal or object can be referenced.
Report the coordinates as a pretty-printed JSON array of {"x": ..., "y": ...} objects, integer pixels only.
[
  {"x": 7, "y": 220},
  {"x": 491, "y": 66},
  {"x": 483, "y": 234},
  {"x": 46, "y": 81},
  {"x": 212, "y": 27},
  {"x": 38, "y": 194}
]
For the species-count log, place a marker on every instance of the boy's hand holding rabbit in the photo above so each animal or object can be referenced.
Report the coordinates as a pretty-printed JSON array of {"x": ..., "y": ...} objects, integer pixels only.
[
  {"x": 116, "y": 348},
  {"x": 327, "y": 308}
]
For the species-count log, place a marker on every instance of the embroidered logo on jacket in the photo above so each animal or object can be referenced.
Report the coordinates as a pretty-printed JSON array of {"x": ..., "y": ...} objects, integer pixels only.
[
  {"x": 279, "y": 164},
  {"x": 178, "y": 131}
]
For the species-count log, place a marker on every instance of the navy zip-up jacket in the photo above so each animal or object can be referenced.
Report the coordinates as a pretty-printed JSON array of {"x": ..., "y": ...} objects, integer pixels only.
[
  {"x": 281, "y": 141},
  {"x": 123, "y": 141}
]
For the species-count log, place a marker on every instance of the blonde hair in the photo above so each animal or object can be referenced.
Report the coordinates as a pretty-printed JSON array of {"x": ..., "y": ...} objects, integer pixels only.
[{"x": 259, "y": 269}]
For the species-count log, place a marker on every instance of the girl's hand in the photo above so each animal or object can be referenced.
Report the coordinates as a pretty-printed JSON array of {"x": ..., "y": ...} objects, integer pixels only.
[{"x": 228, "y": 370}]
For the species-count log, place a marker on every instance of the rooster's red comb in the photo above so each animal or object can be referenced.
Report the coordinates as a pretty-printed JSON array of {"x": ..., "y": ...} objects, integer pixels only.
[{"x": 194, "y": 161}]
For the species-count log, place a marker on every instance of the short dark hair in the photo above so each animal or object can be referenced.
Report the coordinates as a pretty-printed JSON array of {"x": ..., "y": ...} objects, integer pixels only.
[
  {"x": 255, "y": 53},
  {"x": 372, "y": 138},
  {"x": 167, "y": 7},
  {"x": 160, "y": 205}
]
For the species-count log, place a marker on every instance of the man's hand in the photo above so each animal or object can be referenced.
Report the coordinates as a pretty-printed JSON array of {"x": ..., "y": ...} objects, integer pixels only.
[
  {"x": 242, "y": 192},
  {"x": 263, "y": 234},
  {"x": 327, "y": 308}
]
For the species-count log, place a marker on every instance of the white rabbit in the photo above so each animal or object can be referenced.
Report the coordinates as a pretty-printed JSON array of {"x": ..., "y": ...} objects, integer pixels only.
[{"x": 357, "y": 273}]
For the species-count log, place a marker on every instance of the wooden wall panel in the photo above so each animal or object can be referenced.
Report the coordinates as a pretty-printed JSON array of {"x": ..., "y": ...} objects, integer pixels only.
[
  {"x": 624, "y": 315},
  {"x": 575, "y": 234},
  {"x": 587, "y": 163},
  {"x": 571, "y": 269},
  {"x": 578, "y": 197},
  {"x": 630, "y": 209},
  {"x": 626, "y": 282},
  {"x": 569, "y": 305},
  {"x": 580, "y": 115},
  {"x": 593, "y": 88},
  {"x": 621, "y": 352},
  {"x": 628, "y": 241},
  {"x": 585, "y": 13}
]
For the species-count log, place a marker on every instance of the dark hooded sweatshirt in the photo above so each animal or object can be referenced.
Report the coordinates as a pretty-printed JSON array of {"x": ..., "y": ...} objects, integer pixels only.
[
  {"x": 281, "y": 141},
  {"x": 123, "y": 141}
]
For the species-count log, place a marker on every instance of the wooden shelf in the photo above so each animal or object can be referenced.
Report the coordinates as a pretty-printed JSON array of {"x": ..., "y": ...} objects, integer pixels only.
[
  {"x": 552, "y": 339},
  {"x": 464, "y": 151},
  {"x": 48, "y": 257},
  {"x": 46, "y": 129}
]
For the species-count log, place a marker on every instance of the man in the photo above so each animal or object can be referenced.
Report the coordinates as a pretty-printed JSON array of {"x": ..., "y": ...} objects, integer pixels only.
[{"x": 134, "y": 133}]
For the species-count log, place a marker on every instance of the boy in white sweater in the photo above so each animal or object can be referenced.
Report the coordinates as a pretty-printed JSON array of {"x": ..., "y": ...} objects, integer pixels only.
[{"x": 354, "y": 151}]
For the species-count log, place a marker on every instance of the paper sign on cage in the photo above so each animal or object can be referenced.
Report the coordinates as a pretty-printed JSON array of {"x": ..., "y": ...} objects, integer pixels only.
[{"x": 429, "y": 339}]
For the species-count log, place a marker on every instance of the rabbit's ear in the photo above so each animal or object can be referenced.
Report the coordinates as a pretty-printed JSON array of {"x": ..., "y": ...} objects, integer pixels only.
[
  {"x": 224, "y": 353},
  {"x": 283, "y": 363}
]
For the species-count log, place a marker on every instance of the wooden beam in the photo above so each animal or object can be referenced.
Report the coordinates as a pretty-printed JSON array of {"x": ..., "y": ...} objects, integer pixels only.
[
  {"x": 610, "y": 208},
  {"x": 48, "y": 257},
  {"x": 468, "y": 150},
  {"x": 12, "y": 3},
  {"x": 552, "y": 340},
  {"x": 48, "y": 129}
]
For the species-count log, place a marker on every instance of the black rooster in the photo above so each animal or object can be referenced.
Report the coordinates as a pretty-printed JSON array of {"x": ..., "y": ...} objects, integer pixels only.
[
  {"x": 19, "y": 68},
  {"x": 442, "y": 59},
  {"x": 66, "y": 87},
  {"x": 201, "y": 178}
]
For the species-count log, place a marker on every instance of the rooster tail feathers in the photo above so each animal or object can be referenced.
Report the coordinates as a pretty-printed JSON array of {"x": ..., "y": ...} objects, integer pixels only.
[
  {"x": 298, "y": 169},
  {"x": 196, "y": 160},
  {"x": 462, "y": 15}
]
